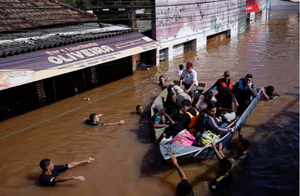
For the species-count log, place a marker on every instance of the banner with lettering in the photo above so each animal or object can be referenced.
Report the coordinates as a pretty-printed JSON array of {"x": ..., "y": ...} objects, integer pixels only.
[
  {"x": 34, "y": 66},
  {"x": 255, "y": 5}
]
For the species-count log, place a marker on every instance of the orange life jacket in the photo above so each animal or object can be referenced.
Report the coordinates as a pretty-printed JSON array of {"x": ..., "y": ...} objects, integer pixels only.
[
  {"x": 192, "y": 125},
  {"x": 223, "y": 84}
]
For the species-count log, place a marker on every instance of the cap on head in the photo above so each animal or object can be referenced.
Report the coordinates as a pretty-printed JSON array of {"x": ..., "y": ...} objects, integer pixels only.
[
  {"x": 189, "y": 65},
  {"x": 226, "y": 73}
]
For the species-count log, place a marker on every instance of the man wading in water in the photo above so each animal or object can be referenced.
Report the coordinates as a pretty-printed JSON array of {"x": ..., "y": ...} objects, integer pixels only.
[{"x": 50, "y": 177}]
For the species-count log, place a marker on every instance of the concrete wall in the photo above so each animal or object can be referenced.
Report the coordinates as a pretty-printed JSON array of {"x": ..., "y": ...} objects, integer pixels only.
[
  {"x": 283, "y": 5},
  {"x": 180, "y": 21}
]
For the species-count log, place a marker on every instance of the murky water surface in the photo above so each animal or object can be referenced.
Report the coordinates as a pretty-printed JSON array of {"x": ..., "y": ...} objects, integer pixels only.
[{"x": 127, "y": 162}]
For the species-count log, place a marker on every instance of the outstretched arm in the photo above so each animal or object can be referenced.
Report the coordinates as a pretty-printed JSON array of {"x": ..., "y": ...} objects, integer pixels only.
[
  {"x": 213, "y": 145},
  {"x": 75, "y": 164},
  {"x": 63, "y": 179},
  {"x": 115, "y": 123},
  {"x": 180, "y": 171}
]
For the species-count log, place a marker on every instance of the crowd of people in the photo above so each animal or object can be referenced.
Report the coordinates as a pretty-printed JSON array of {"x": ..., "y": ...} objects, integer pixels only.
[{"x": 211, "y": 117}]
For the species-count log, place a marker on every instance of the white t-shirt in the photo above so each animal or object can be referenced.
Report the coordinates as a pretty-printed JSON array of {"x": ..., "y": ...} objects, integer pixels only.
[
  {"x": 189, "y": 78},
  {"x": 180, "y": 72}
]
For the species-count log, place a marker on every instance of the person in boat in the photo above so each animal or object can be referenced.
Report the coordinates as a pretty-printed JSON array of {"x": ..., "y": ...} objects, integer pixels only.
[
  {"x": 226, "y": 105},
  {"x": 161, "y": 81},
  {"x": 159, "y": 119},
  {"x": 171, "y": 106},
  {"x": 139, "y": 109},
  {"x": 220, "y": 84},
  {"x": 207, "y": 98},
  {"x": 214, "y": 124},
  {"x": 244, "y": 91},
  {"x": 184, "y": 188},
  {"x": 50, "y": 175},
  {"x": 268, "y": 93},
  {"x": 225, "y": 177},
  {"x": 180, "y": 70},
  {"x": 188, "y": 80},
  {"x": 94, "y": 121},
  {"x": 187, "y": 121}
]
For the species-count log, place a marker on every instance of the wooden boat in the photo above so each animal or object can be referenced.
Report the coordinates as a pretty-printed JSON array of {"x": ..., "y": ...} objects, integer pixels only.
[
  {"x": 160, "y": 99},
  {"x": 201, "y": 153}
]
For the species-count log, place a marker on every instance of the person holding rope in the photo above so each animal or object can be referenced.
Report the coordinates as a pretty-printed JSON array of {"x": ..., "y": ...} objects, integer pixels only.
[
  {"x": 184, "y": 188},
  {"x": 50, "y": 175},
  {"x": 95, "y": 118}
]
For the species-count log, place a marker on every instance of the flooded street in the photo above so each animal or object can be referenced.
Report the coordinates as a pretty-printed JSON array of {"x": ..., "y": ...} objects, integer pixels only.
[{"x": 127, "y": 162}]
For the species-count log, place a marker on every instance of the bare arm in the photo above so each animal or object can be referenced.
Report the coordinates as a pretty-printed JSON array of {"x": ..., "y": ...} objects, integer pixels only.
[
  {"x": 64, "y": 179},
  {"x": 213, "y": 145},
  {"x": 157, "y": 125},
  {"x": 265, "y": 94},
  {"x": 115, "y": 123},
  {"x": 192, "y": 85},
  {"x": 180, "y": 81},
  {"x": 179, "y": 170},
  {"x": 170, "y": 119},
  {"x": 75, "y": 164}
]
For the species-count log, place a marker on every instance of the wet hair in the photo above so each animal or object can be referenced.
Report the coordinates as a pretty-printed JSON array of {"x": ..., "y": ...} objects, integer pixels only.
[
  {"x": 228, "y": 93},
  {"x": 269, "y": 90},
  {"x": 208, "y": 94},
  {"x": 44, "y": 164},
  {"x": 92, "y": 116},
  {"x": 160, "y": 77},
  {"x": 186, "y": 102},
  {"x": 211, "y": 106},
  {"x": 225, "y": 165},
  {"x": 181, "y": 67},
  {"x": 137, "y": 109},
  {"x": 169, "y": 96},
  {"x": 249, "y": 76},
  {"x": 245, "y": 144},
  {"x": 183, "y": 188}
]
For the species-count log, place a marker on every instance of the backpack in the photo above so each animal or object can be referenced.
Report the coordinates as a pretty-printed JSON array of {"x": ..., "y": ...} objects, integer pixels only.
[{"x": 207, "y": 136}]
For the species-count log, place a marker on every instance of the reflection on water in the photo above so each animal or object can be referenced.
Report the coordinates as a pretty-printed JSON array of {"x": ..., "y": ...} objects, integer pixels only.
[{"x": 127, "y": 161}]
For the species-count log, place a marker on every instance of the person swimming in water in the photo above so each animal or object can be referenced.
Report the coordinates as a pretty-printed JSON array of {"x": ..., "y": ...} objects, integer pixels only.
[{"x": 94, "y": 121}]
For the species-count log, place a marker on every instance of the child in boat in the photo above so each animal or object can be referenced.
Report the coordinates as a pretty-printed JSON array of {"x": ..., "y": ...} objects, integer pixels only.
[
  {"x": 224, "y": 178},
  {"x": 207, "y": 98},
  {"x": 159, "y": 119},
  {"x": 171, "y": 106},
  {"x": 94, "y": 121},
  {"x": 268, "y": 93},
  {"x": 180, "y": 70}
]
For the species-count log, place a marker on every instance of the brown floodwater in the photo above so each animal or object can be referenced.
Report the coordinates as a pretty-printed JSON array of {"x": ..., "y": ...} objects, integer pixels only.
[{"x": 128, "y": 163}]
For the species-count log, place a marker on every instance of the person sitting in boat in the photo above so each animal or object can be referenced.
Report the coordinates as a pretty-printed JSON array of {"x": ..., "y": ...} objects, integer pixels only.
[
  {"x": 220, "y": 84},
  {"x": 244, "y": 91},
  {"x": 226, "y": 105},
  {"x": 187, "y": 121},
  {"x": 268, "y": 93},
  {"x": 94, "y": 121},
  {"x": 180, "y": 70},
  {"x": 162, "y": 81},
  {"x": 225, "y": 177},
  {"x": 207, "y": 98},
  {"x": 184, "y": 188},
  {"x": 50, "y": 175},
  {"x": 190, "y": 82},
  {"x": 212, "y": 123},
  {"x": 171, "y": 106},
  {"x": 159, "y": 119}
]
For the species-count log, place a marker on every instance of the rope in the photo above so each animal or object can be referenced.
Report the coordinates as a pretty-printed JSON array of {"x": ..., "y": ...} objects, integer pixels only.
[{"x": 140, "y": 83}]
